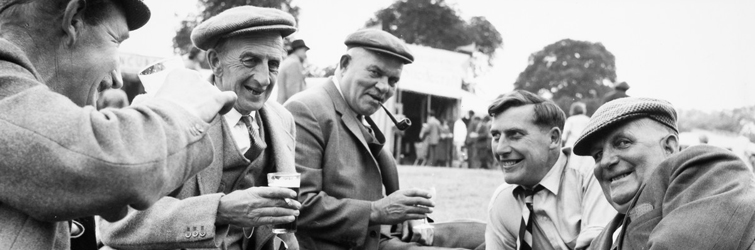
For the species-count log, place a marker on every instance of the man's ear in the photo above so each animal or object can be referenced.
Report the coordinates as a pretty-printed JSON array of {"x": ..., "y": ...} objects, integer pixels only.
[
  {"x": 213, "y": 60},
  {"x": 670, "y": 144},
  {"x": 73, "y": 20},
  {"x": 555, "y": 138},
  {"x": 344, "y": 62}
]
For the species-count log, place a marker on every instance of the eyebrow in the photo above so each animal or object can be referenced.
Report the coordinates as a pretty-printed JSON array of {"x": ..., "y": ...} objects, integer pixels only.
[{"x": 253, "y": 54}]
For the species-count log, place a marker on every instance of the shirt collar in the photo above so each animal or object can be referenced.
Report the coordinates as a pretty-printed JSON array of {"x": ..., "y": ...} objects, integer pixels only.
[
  {"x": 552, "y": 179},
  {"x": 233, "y": 117},
  {"x": 338, "y": 86}
]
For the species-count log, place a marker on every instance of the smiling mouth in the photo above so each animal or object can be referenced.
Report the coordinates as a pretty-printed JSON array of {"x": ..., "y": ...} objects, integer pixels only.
[
  {"x": 509, "y": 163},
  {"x": 617, "y": 178},
  {"x": 254, "y": 92}
]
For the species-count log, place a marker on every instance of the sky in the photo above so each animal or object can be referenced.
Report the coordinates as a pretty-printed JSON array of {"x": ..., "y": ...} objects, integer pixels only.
[{"x": 696, "y": 54}]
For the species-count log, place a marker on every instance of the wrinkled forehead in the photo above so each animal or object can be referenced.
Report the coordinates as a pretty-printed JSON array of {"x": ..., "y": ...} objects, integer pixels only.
[
  {"x": 268, "y": 44},
  {"x": 642, "y": 128},
  {"x": 390, "y": 65}
]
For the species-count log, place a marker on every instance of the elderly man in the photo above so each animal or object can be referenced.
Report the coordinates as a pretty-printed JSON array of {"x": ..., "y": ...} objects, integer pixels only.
[
  {"x": 227, "y": 206},
  {"x": 292, "y": 71},
  {"x": 345, "y": 169},
  {"x": 60, "y": 160},
  {"x": 551, "y": 199},
  {"x": 699, "y": 198}
]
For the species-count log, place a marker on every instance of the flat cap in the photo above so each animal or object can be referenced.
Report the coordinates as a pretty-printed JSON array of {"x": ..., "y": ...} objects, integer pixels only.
[
  {"x": 380, "y": 41},
  {"x": 241, "y": 20},
  {"x": 621, "y": 110},
  {"x": 137, "y": 13}
]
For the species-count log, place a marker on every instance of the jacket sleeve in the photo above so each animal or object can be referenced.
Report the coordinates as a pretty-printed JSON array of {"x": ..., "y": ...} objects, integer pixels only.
[
  {"x": 60, "y": 161},
  {"x": 708, "y": 203},
  {"x": 169, "y": 224},
  {"x": 345, "y": 221}
]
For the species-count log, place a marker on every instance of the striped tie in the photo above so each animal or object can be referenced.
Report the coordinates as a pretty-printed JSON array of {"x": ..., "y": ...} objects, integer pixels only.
[
  {"x": 254, "y": 135},
  {"x": 524, "y": 242}
]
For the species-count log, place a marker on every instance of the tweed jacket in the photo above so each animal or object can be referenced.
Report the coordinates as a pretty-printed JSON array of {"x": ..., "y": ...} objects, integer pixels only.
[
  {"x": 59, "y": 161},
  {"x": 431, "y": 132},
  {"x": 340, "y": 177},
  {"x": 700, "y": 198},
  {"x": 186, "y": 218}
]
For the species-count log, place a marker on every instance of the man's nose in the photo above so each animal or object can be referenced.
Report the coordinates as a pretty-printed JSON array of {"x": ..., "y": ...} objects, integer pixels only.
[
  {"x": 501, "y": 147},
  {"x": 383, "y": 85},
  {"x": 117, "y": 79},
  {"x": 262, "y": 74}
]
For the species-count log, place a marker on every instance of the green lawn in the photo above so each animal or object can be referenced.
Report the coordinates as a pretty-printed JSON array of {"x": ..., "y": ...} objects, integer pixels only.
[{"x": 460, "y": 193}]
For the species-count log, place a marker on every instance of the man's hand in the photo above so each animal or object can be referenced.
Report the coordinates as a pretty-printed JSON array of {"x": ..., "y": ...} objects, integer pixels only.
[
  {"x": 400, "y": 206},
  {"x": 258, "y": 206},
  {"x": 186, "y": 88}
]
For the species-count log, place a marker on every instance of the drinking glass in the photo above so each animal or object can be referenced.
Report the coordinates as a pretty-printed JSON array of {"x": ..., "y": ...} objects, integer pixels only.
[
  {"x": 154, "y": 75},
  {"x": 290, "y": 181}
]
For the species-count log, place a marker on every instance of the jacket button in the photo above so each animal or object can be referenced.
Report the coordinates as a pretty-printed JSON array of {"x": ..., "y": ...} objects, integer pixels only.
[
  {"x": 202, "y": 234},
  {"x": 373, "y": 234},
  {"x": 194, "y": 234},
  {"x": 188, "y": 234}
]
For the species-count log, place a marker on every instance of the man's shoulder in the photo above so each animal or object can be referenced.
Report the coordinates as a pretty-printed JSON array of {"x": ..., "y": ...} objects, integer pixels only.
[
  {"x": 314, "y": 96},
  {"x": 581, "y": 165},
  {"x": 502, "y": 195},
  {"x": 703, "y": 156}
]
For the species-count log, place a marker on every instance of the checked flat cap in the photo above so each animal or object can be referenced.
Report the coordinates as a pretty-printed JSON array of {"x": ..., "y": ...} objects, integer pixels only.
[
  {"x": 241, "y": 20},
  {"x": 622, "y": 110},
  {"x": 380, "y": 41}
]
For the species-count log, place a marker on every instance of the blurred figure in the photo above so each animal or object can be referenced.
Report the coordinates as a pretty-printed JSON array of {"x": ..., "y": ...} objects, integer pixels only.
[
  {"x": 193, "y": 59},
  {"x": 112, "y": 98},
  {"x": 575, "y": 123},
  {"x": 700, "y": 198},
  {"x": 443, "y": 152},
  {"x": 703, "y": 139},
  {"x": 430, "y": 135},
  {"x": 471, "y": 140},
  {"x": 483, "y": 157},
  {"x": 229, "y": 205},
  {"x": 292, "y": 72},
  {"x": 619, "y": 91},
  {"x": 60, "y": 158},
  {"x": 551, "y": 199},
  {"x": 459, "y": 136},
  {"x": 468, "y": 118}
]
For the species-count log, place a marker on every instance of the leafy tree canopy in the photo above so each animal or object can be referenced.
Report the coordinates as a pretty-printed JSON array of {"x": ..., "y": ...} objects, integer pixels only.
[
  {"x": 435, "y": 24},
  {"x": 182, "y": 42},
  {"x": 570, "y": 71}
]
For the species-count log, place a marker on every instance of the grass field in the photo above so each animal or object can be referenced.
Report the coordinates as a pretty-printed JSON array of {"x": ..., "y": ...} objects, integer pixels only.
[{"x": 460, "y": 193}]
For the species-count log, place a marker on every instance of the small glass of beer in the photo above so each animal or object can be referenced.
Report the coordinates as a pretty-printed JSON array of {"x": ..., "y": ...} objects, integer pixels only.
[
  {"x": 154, "y": 75},
  {"x": 290, "y": 181}
]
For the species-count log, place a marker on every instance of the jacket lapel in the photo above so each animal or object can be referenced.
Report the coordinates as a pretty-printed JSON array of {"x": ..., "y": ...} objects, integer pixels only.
[
  {"x": 348, "y": 117},
  {"x": 281, "y": 142}
]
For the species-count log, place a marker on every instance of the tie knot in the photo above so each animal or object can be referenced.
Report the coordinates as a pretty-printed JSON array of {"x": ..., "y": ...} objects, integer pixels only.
[
  {"x": 527, "y": 193},
  {"x": 247, "y": 120}
]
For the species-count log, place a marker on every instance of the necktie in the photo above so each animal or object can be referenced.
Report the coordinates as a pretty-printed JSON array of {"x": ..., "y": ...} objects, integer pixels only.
[
  {"x": 254, "y": 135},
  {"x": 524, "y": 242}
]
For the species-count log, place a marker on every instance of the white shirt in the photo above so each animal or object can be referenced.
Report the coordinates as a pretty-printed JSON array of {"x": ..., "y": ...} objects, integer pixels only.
[
  {"x": 573, "y": 128},
  {"x": 569, "y": 213},
  {"x": 238, "y": 129}
]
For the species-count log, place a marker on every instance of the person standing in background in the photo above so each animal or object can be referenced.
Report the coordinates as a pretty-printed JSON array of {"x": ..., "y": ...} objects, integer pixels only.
[
  {"x": 620, "y": 91},
  {"x": 576, "y": 122},
  {"x": 292, "y": 72},
  {"x": 430, "y": 134}
]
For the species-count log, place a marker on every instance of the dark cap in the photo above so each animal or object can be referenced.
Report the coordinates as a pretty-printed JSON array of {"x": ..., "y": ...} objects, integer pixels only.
[
  {"x": 298, "y": 43},
  {"x": 623, "y": 86},
  {"x": 380, "y": 41},
  {"x": 241, "y": 20},
  {"x": 137, "y": 13},
  {"x": 622, "y": 110}
]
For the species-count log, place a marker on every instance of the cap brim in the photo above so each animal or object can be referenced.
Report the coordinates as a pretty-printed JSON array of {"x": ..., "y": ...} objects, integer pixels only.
[
  {"x": 582, "y": 146},
  {"x": 404, "y": 59},
  {"x": 285, "y": 30}
]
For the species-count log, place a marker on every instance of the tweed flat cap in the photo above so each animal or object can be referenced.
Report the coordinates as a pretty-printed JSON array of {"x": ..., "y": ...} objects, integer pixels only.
[
  {"x": 620, "y": 110},
  {"x": 137, "y": 13},
  {"x": 240, "y": 21},
  {"x": 380, "y": 41}
]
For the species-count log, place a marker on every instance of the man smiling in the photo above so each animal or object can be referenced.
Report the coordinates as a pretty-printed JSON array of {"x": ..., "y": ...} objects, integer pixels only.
[
  {"x": 699, "y": 198},
  {"x": 552, "y": 200}
]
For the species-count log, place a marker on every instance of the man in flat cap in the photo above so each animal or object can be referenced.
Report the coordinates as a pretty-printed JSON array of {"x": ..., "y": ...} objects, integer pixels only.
[
  {"x": 228, "y": 206},
  {"x": 700, "y": 198},
  {"x": 619, "y": 91},
  {"x": 542, "y": 179},
  {"x": 292, "y": 71},
  {"x": 339, "y": 152},
  {"x": 60, "y": 158}
]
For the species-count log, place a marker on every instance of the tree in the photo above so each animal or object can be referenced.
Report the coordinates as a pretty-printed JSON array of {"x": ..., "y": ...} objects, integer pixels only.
[
  {"x": 435, "y": 24},
  {"x": 569, "y": 71},
  {"x": 182, "y": 42}
]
